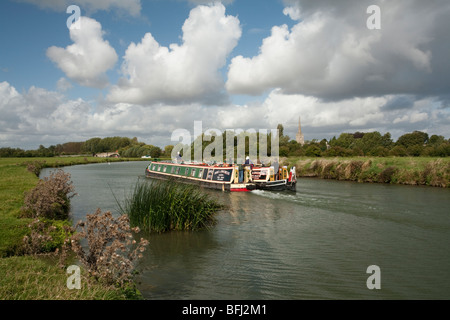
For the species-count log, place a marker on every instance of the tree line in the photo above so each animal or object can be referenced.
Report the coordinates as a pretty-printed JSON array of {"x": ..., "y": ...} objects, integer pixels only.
[
  {"x": 126, "y": 147},
  {"x": 375, "y": 144},
  {"x": 412, "y": 144}
]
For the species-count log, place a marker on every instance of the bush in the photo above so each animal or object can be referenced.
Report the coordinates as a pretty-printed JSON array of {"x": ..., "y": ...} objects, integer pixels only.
[
  {"x": 39, "y": 239},
  {"x": 387, "y": 174},
  {"x": 398, "y": 151},
  {"x": 35, "y": 167},
  {"x": 414, "y": 151},
  {"x": 111, "y": 248},
  {"x": 50, "y": 198},
  {"x": 313, "y": 151},
  {"x": 353, "y": 170},
  {"x": 337, "y": 151}
]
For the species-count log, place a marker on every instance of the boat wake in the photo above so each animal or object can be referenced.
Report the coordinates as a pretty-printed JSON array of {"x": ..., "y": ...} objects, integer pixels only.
[{"x": 275, "y": 195}]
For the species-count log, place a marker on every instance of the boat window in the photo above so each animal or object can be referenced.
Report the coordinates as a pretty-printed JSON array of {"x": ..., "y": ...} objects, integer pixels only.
[
  {"x": 193, "y": 172},
  {"x": 165, "y": 169},
  {"x": 187, "y": 171},
  {"x": 200, "y": 173},
  {"x": 178, "y": 170},
  {"x": 159, "y": 168},
  {"x": 172, "y": 170}
]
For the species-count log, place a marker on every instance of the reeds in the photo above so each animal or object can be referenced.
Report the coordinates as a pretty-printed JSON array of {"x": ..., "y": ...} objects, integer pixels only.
[
  {"x": 410, "y": 171},
  {"x": 160, "y": 206}
]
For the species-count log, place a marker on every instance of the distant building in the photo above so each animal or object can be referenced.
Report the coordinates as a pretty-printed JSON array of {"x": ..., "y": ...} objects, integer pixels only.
[
  {"x": 107, "y": 155},
  {"x": 299, "y": 136}
]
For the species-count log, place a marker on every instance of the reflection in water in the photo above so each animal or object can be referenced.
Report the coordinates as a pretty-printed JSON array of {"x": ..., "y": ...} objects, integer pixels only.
[
  {"x": 174, "y": 255},
  {"x": 313, "y": 244}
]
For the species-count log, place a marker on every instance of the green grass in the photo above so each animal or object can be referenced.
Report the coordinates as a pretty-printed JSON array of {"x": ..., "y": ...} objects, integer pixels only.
[
  {"x": 165, "y": 205},
  {"x": 32, "y": 278},
  {"x": 14, "y": 181}
]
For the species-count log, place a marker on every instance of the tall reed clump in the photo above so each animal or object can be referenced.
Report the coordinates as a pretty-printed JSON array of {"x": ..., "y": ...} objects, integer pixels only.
[{"x": 165, "y": 206}]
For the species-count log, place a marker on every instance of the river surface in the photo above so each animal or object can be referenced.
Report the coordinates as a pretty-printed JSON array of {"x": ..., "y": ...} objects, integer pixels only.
[{"x": 316, "y": 243}]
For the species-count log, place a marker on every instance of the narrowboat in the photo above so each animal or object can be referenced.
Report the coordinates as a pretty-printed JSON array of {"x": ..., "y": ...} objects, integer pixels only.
[
  {"x": 268, "y": 178},
  {"x": 225, "y": 177}
]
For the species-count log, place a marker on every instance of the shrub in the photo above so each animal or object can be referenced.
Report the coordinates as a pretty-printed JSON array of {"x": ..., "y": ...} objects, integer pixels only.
[
  {"x": 337, "y": 151},
  {"x": 35, "y": 167},
  {"x": 398, "y": 151},
  {"x": 353, "y": 170},
  {"x": 39, "y": 239},
  {"x": 387, "y": 174},
  {"x": 111, "y": 250},
  {"x": 50, "y": 198},
  {"x": 45, "y": 236},
  {"x": 414, "y": 150},
  {"x": 329, "y": 170}
]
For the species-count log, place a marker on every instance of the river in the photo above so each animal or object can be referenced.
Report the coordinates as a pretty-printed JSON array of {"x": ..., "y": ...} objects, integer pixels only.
[{"x": 316, "y": 243}]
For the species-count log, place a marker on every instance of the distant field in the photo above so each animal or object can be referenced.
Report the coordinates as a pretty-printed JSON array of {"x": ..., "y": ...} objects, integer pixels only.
[{"x": 397, "y": 170}]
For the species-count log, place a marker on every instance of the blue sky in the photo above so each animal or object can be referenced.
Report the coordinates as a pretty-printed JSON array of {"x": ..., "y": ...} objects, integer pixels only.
[{"x": 147, "y": 67}]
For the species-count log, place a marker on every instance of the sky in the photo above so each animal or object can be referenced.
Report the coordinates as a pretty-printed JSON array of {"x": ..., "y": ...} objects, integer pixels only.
[{"x": 145, "y": 68}]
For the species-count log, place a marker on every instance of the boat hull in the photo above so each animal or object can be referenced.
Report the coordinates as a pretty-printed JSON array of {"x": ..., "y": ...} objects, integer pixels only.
[{"x": 279, "y": 185}]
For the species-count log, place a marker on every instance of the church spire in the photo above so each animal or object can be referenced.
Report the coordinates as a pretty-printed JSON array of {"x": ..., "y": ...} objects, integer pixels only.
[{"x": 299, "y": 137}]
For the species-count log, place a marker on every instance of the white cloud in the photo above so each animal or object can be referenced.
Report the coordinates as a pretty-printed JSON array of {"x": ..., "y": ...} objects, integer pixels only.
[
  {"x": 293, "y": 12},
  {"x": 413, "y": 117},
  {"x": 87, "y": 60},
  {"x": 38, "y": 116},
  {"x": 204, "y": 2},
  {"x": 181, "y": 73},
  {"x": 331, "y": 53},
  {"x": 63, "y": 84},
  {"x": 132, "y": 7},
  {"x": 10, "y": 107}
]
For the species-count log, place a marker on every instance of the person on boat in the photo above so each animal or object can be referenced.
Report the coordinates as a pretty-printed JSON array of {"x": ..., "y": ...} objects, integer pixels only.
[
  {"x": 249, "y": 162},
  {"x": 178, "y": 157},
  {"x": 276, "y": 167}
]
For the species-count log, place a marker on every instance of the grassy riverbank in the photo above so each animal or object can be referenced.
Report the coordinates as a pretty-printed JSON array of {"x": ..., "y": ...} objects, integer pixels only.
[
  {"x": 29, "y": 277},
  {"x": 426, "y": 171}
]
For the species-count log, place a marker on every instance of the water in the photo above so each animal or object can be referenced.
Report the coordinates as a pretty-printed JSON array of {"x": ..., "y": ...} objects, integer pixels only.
[{"x": 313, "y": 244}]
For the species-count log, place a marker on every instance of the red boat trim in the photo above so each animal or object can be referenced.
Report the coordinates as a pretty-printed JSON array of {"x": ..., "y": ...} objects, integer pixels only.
[{"x": 239, "y": 190}]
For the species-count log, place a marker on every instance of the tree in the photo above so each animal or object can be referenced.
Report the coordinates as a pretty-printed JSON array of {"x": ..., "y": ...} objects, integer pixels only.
[
  {"x": 313, "y": 150},
  {"x": 398, "y": 151},
  {"x": 369, "y": 142},
  {"x": 93, "y": 145},
  {"x": 345, "y": 140},
  {"x": 280, "y": 129},
  {"x": 386, "y": 140},
  {"x": 416, "y": 138},
  {"x": 168, "y": 150},
  {"x": 436, "y": 140}
]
